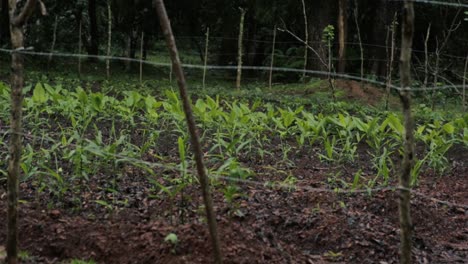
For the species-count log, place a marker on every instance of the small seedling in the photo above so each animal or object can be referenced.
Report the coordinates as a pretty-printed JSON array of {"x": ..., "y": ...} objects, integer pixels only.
[{"x": 173, "y": 240}]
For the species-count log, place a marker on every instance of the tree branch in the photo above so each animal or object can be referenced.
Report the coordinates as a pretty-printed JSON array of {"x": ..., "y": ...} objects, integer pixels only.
[
  {"x": 21, "y": 19},
  {"x": 303, "y": 42}
]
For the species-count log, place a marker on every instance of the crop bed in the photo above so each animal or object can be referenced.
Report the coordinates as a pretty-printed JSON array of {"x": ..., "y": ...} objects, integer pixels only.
[{"x": 109, "y": 175}]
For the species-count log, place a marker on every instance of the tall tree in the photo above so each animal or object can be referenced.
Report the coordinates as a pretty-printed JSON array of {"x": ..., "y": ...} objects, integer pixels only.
[
  {"x": 93, "y": 48},
  {"x": 342, "y": 33},
  {"x": 320, "y": 15}
]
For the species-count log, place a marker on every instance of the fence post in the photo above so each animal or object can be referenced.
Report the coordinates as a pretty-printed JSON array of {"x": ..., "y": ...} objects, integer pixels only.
[
  {"x": 109, "y": 38},
  {"x": 306, "y": 40},
  {"x": 464, "y": 83},
  {"x": 54, "y": 39},
  {"x": 390, "y": 63},
  {"x": 272, "y": 57},
  {"x": 79, "y": 49},
  {"x": 206, "y": 55},
  {"x": 239, "y": 56},
  {"x": 141, "y": 56}
]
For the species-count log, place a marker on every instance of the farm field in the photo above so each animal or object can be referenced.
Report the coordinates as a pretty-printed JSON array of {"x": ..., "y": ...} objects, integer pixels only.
[
  {"x": 108, "y": 170},
  {"x": 233, "y": 132}
]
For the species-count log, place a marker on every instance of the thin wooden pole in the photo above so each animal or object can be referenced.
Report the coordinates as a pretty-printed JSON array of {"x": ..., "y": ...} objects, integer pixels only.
[
  {"x": 204, "y": 181},
  {"x": 79, "y": 49},
  {"x": 54, "y": 39},
  {"x": 390, "y": 63},
  {"x": 330, "y": 68},
  {"x": 170, "y": 74},
  {"x": 272, "y": 61},
  {"x": 206, "y": 55},
  {"x": 464, "y": 84},
  {"x": 408, "y": 158},
  {"x": 109, "y": 38},
  {"x": 356, "y": 14},
  {"x": 240, "y": 53},
  {"x": 306, "y": 40},
  {"x": 141, "y": 56},
  {"x": 426, "y": 56}
]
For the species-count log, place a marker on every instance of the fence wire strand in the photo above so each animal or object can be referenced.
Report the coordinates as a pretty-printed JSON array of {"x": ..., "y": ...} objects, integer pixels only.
[{"x": 234, "y": 68}]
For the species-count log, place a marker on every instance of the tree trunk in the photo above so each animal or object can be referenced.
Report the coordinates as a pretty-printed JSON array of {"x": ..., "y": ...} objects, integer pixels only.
[
  {"x": 407, "y": 163},
  {"x": 342, "y": 33},
  {"x": 17, "y": 82},
  {"x": 320, "y": 16},
  {"x": 377, "y": 54},
  {"x": 93, "y": 28}
]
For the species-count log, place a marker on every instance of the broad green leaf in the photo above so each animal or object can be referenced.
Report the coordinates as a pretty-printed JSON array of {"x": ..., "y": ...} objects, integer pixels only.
[
  {"x": 39, "y": 94},
  {"x": 449, "y": 128}
]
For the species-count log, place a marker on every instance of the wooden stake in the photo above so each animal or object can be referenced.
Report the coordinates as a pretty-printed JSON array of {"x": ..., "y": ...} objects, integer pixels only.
[
  {"x": 272, "y": 57},
  {"x": 141, "y": 56},
  {"x": 306, "y": 40},
  {"x": 206, "y": 55},
  {"x": 330, "y": 69},
  {"x": 79, "y": 50},
  {"x": 356, "y": 14},
  {"x": 464, "y": 84},
  {"x": 239, "y": 55},
  {"x": 426, "y": 56},
  {"x": 204, "y": 181},
  {"x": 390, "y": 62},
  {"x": 54, "y": 39},
  {"x": 408, "y": 158},
  {"x": 109, "y": 38}
]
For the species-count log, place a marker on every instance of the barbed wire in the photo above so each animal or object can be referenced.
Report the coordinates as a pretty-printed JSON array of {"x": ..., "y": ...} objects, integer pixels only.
[{"x": 234, "y": 67}]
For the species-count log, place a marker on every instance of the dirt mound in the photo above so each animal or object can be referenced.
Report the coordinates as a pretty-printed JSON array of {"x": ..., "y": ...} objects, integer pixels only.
[{"x": 363, "y": 92}]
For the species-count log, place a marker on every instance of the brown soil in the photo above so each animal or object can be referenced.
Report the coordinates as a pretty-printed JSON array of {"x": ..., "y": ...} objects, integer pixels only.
[
  {"x": 266, "y": 225},
  {"x": 367, "y": 94}
]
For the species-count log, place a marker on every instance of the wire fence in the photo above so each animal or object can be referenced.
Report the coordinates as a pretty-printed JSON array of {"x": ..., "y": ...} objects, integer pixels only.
[{"x": 233, "y": 68}]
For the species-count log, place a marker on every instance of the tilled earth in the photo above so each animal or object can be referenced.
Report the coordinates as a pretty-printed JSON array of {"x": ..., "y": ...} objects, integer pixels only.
[{"x": 264, "y": 224}]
